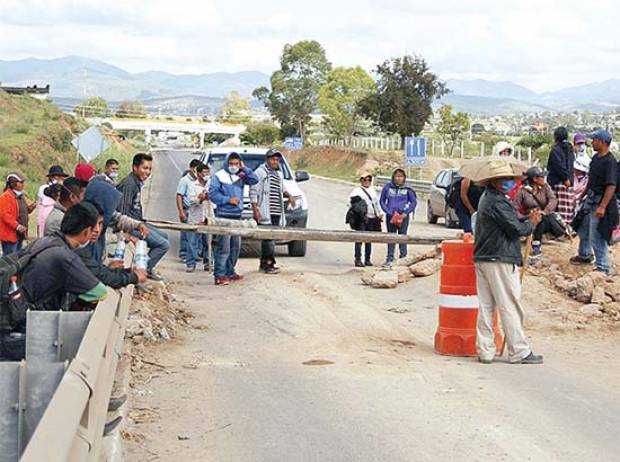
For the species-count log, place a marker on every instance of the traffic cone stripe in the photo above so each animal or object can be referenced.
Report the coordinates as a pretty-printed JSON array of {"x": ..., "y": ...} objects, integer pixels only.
[{"x": 459, "y": 301}]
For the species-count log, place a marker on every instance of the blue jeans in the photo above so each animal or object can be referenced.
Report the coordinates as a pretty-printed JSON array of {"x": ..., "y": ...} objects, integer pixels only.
[
  {"x": 464, "y": 218},
  {"x": 226, "y": 254},
  {"x": 158, "y": 245},
  {"x": 591, "y": 240},
  {"x": 402, "y": 248},
  {"x": 12, "y": 247},
  {"x": 183, "y": 242},
  {"x": 195, "y": 243}
]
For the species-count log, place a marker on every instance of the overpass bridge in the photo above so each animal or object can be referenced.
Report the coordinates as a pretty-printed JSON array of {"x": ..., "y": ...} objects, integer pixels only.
[{"x": 199, "y": 128}]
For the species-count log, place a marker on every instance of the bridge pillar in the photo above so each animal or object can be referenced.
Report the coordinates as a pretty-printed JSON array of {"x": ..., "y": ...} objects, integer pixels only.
[
  {"x": 147, "y": 135},
  {"x": 202, "y": 139}
]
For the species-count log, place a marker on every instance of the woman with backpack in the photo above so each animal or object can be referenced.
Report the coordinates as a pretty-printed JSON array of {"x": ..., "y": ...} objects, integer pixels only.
[
  {"x": 364, "y": 215},
  {"x": 14, "y": 211},
  {"x": 561, "y": 171},
  {"x": 398, "y": 201}
]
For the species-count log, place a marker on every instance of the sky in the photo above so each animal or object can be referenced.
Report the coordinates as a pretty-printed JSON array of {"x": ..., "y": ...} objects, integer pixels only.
[{"x": 543, "y": 44}]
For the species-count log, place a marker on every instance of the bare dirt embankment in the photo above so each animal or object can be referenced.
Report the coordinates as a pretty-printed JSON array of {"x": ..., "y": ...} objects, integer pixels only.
[{"x": 347, "y": 164}]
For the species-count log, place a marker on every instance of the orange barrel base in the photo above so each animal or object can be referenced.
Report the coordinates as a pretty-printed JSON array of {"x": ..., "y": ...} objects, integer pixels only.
[{"x": 458, "y": 305}]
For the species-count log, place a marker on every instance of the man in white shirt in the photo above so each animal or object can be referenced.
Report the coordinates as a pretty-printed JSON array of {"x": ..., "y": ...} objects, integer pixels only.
[{"x": 198, "y": 198}]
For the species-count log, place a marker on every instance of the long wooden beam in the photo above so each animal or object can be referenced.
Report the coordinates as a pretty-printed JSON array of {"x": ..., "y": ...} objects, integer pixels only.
[{"x": 301, "y": 234}]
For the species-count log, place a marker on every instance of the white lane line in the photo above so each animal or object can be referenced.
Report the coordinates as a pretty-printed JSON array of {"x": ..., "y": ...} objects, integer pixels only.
[{"x": 174, "y": 162}]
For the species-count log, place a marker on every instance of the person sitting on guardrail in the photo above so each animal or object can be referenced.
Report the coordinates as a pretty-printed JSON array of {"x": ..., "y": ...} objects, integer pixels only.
[
  {"x": 364, "y": 197},
  {"x": 398, "y": 201},
  {"x": 110, "y": 172},
  {"x": 71, "y": 193},
  {"x": 131, "y": 205},
  {"x": 59, "y": 270},
  {"x": 115, "y": 275},
  {"x": 226, "y": 192},
  {"x": 267, "y": 199}
]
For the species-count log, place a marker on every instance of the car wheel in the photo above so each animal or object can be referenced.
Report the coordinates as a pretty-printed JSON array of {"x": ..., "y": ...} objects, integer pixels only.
[
  {"x": 449, "y": 217},
  {"x": 432, "y": 219},
  {"x": 297, "y": 248}
]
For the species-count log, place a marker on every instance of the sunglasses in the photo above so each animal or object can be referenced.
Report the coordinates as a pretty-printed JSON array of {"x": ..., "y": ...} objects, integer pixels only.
[{"x": 367, "y": 179}]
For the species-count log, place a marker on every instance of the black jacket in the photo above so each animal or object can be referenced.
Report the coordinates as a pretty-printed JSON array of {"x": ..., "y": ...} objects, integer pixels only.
[
  {"x": 356, "y": 215},
  {"x": 498, "y": 229},
  {"x": 560, "y": 165},
  {"x": 114, "y": 278},
  {"x": 131, "y": 202}
]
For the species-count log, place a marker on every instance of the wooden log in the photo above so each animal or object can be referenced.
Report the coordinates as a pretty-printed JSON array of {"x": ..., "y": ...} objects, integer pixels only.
[{"x": 302, "y": 234}]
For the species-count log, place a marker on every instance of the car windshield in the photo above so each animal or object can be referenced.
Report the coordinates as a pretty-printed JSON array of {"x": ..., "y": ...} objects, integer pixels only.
[{"x": 253, "y": 161}]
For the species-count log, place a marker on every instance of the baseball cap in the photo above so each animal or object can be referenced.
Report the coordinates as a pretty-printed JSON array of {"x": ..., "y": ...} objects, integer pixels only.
[
  {"x": 84, "y": 172},
  {"x": 602, "y": 135},
  {"x": 579, "y": 138},
  {"x": 272, "y": 153}
]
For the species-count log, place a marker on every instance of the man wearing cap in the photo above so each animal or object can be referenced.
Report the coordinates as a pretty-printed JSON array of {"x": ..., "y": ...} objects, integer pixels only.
[
  {"x": 497, "y": 256},
  {"x": 55, "y": 175},
  {"x": 72, "y": 193},
  {"x": 14, "y": 211},
  {"x": 84, "y": 173},
  {"x": 600, "y": 215},
  {"x": 267, "y": 198}
]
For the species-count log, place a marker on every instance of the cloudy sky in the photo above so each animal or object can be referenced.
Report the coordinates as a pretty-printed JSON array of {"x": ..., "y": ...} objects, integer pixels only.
[{"x": 542, "y": 44}]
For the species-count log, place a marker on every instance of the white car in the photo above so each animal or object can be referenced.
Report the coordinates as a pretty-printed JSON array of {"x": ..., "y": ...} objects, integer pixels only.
[{"x": 296, "y": 217}]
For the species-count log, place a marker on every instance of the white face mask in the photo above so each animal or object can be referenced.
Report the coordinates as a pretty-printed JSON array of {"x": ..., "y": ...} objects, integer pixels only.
[
  {"x": 85, "y": 244},
  {"x": 18, "y": 193},
  {"x": 582, "y": 148},
  {"x": 233, "y": 170},
  {"x": 113, "y": 175}
]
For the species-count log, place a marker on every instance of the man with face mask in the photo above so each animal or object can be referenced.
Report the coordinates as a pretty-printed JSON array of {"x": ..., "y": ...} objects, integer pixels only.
[
  {"x": 110, "y": 172},
  {"x": 72, "y": 193},
  {"x": 226, "y": 192},
  {"x": 267, "y": 198},
  {"x": 14, "y": 211},
  {"x": 497, "y": 256}
]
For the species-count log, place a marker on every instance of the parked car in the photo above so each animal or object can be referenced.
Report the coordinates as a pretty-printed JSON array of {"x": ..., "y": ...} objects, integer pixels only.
[
  {"x": 436, "y": 205},
  {"x": 296, "y": 217}
]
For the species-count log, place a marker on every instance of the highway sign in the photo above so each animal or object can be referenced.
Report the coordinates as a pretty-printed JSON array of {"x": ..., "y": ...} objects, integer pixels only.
[
  {"x": 293, "y": 143},
  {"x": 415, "y": 150}
]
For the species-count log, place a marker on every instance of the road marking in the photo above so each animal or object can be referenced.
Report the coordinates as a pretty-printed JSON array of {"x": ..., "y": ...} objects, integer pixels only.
[{"x": 174, "y": 162}]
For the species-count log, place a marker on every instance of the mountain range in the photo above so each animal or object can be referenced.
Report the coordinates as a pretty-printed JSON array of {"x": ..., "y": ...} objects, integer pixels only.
[{"x": 74, "y": 78}]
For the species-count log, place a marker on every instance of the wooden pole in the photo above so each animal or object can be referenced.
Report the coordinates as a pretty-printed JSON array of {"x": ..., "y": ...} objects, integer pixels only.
[{"x": 301, "y": 234}]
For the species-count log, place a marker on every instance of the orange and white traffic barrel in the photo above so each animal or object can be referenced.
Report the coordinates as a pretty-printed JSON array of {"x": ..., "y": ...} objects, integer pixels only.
[{"x": 458, "y": 301}]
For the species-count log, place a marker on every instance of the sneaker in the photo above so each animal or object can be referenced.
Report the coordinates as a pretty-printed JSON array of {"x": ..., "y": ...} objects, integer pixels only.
[
  {"x": 532, "y": 359},
  {"x": 190, "y": 269},
  {"x": 154, "y": 277},
  {"x": 388, "y": 263},
  {"x": 235, "y": 277},
  {"x": 485, "y": 360},
  {"x": 206, "y": 268},
  {"x": 536, "y": 248},
  {"x": 271, "y": 270},
  {"x": 368, "y": 263},
  {"x": 222, "y": 282},
  {"x": 579, "y": 260},
  {"x": 359, "y": 264}
]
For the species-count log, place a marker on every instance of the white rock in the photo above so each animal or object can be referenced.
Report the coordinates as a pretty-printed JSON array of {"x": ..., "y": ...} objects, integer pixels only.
[
  {"x": 366, "y": 277},
  {"x": 598, "y": 295},
  {"x": 591, "y": 308},
  {"x": 404, "y": 274},
  {"x": 426, "y": 267},
  {"x": 584, "y": 289},
  {"x": 385, "y": 280}
]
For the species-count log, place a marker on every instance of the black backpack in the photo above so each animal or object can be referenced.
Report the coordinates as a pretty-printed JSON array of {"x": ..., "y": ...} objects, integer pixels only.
[
  {"x": 356, "y": 213},
  {"x": 13, "y": 309},
  {"x": 453, "y": 195}
]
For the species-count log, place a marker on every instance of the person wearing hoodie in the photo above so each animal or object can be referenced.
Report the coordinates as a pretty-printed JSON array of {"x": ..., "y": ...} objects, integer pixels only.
[
  {"x": 398, "y": 201},
  {"x": 267, "y": 198},
  {"x": 560, "y": 168},
  {"x": 226, "y": 192},
  {"x": 364, "y": 198}
]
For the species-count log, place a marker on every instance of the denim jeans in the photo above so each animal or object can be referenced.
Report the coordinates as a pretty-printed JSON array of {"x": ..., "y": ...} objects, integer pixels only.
[
  {"x": 591, "y": 240},
  {"x": 183, "y": 241},
  {"x": 12, "y": 247},
  {"x": 226, "y": 254},
  {"x": 158, "y": 244},
  {"x": 402, "y": 248},
  {"x": 367, "y": 245},
  {"x": 464, "y": 218},
  {"x": 268, "y": 247},
  {"x": 197, "y": 242}
]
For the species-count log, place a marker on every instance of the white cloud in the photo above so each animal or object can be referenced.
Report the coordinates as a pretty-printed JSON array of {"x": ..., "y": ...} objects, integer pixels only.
[{"x": 543, "y": 44}]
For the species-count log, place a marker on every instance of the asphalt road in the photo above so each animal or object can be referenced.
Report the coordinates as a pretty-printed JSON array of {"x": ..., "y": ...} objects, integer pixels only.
[{"x": 240, "y": 391}]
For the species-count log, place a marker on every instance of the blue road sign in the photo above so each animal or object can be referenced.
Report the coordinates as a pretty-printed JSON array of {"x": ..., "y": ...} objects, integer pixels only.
[
  {"x": 292, "y": 143},
  {"x": 415, "y": 150}
]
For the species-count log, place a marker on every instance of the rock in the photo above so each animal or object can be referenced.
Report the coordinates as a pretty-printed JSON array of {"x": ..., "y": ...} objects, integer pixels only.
[
  {"x": 163, "y": 333},
  {"x": 404, "y": 274},
  {"x": 418, "y": 256},
  {"x": 560, "y": 283},
  {"x": 554, "y": 268},
  {"x": 385, "y": 280},
  {"x": 366, "y": 277},
  {"x": 613, "y": 290},
  {"x": 598, "y": 295},
  {"x": 612, "y": 308},
  {"x": 426, "y": 267},
  {"x": 584, "y": 289},
  {"x": 598, "y": 277},
  {"x": 591, "y": 309}
]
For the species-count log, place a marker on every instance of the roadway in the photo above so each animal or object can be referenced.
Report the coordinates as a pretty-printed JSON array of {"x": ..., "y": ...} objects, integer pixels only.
[{"x": 240, "y": 391}]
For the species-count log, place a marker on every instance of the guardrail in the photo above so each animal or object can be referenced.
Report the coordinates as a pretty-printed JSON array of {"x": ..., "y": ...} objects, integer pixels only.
[
  {"x": 71, "y": 428},
  {"x": 421, "y": 187}
]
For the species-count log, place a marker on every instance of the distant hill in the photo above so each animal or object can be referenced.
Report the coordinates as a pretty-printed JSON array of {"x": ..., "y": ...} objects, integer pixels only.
[
  {"x": 490, "y": 106},
  {"x": 488, "y": 89}
]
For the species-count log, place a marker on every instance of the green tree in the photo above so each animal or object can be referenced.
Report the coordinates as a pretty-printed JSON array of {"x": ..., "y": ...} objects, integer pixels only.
[
  {"x": 295, "y": 86},
  {"x": 536, "y": 140},
  {"x": 131, "y": 109},
  {"x": 340, "y": 96},
  {"x": 93, "y": 107},
  {"x": 452, "y": 126},
  {"x": 236, "y": 108},
  {"x": 406, "y": 90},
  {"x": 261, "y": 134}
]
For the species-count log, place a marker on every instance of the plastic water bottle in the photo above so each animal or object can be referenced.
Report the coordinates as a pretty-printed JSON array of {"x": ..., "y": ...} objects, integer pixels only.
[
  {"x": 14, "y": 292},
  {"x": 142, "y": 256},
  {"x": 119, "y": 252}
]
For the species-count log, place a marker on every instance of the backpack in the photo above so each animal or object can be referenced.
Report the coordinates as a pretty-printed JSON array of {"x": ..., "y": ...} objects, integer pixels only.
[
  {"x": 13, "y": 309},
  {"x": 453, "y": 194}
]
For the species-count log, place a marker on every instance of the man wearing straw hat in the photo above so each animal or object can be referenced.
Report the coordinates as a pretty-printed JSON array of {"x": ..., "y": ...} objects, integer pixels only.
[{"x": 497, "y": 256}]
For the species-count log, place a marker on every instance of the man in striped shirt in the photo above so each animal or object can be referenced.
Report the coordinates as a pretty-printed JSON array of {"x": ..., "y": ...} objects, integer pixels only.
[{"x": 267, "y": 198}]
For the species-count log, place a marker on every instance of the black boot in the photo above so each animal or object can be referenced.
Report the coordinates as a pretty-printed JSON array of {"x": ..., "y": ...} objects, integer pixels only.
[
  {"x": 358, "y": 263},
  {"x": 367, "y": 262}
]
